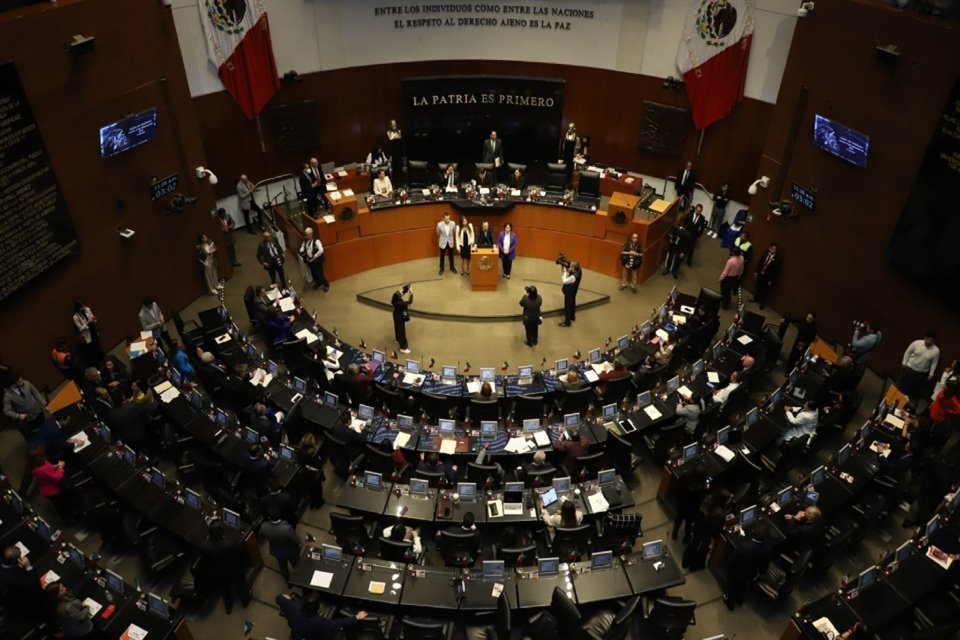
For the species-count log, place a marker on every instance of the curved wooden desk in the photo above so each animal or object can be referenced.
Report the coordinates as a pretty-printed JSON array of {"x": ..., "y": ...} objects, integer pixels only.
[{"x": 382, "y": 237}]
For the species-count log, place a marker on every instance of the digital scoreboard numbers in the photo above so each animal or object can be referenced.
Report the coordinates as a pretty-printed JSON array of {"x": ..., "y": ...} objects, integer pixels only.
[
  {"x": 164, "y": 186},
  {"x": 803, "y": 196}
]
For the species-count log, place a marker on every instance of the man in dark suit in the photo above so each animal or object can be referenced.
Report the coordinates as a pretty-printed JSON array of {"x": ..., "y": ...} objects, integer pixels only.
[
  {"x": 270, "y": 256},
  {"x": 223, "y": 565},
  {"x": 308, "y": 188},
  {"x": 450, "y": 178},
  {"x": 320, "y": 183},
  {"x": 258, "y": 469},
  {"x": 768, "y": 270},
  {"x": 485, "y": 238},
  {"x": 804, "y": 529},
  {"x": 130, "y": 422},
  {"x": 484, "y": 179},
  {"x": 431, "y": 463},
  {"x": 20, "y": 589},
  {"x": 686, "y": 182},
  {"x": 280, "y": 501},
  {"x": 749, "y": 559},
  {"x": 284, "y": 542},
  {"x": 355, "y": 442},
  {"x": 493, "y": 150},
  {"x": 569, "y": 285},
  {"x": 695, "y": 224}
]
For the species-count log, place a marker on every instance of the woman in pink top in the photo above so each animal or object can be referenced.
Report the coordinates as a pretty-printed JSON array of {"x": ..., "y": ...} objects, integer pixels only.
[
  {"x": 730, "y": 276},
  {"x": 48, "y": 475}
]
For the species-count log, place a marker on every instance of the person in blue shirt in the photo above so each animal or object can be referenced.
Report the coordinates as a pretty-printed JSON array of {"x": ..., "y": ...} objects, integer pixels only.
[
  {"x": 181, "y": 362},
  {"x": 304, "y": 620}
]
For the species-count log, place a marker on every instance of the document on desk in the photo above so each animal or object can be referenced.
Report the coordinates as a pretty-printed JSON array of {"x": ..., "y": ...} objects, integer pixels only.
[
  {"x": 92, "y": 605},
  {"x": 287, "y": 305},
  {"x": 744, "y": 339},
  {"x": 266, "y": 380},
  {"x": 825, "y": 627},
  {"x": 448, "y": 446},
  {"x": 515, "y": 193},
  {"x": 329, "y": 218},
  {"x": 306, "y": 334},
  {"x": 652, "y": 412},
  {"x": 402, "y": 439},
  {"x": 713, "y": 377},
  {"x": 226, "y": 337},
  {"x": 331, "y": 186},
  {"x": 880, "y": 448},
  {"x": 413, "y": 379},
  {"x": 628, "y": 180},
  {"x": 662, "y": 334},
  {"x": 937, "y": 555},
  {"x": 893, "y": 421},
  {"x": 679, "y": 319},
  {"x": 137, "y": 348},
  {"x": 541, "y": 438},
  {"x": 590, "y": 375},
  {"x": 48, "y": 578},
  {"x": 358, "y": 425},
  {"x": 134, "y": 632},
  {"x": 474, "y": 386},
  {"x": 168, "y": 396},
  {"x": 685, "y": 392},
  {"x": 601, "y": 367},
  {"x": 321, "y": 579},
  {"x": 377, "y": 587},
  {"x": 336, "y": 353},
  {"x": 597, "y": 502},
  {"x": 341, "y": 173},
  {"x": 724, "y": 453},
  {"x": 518, "y": 445},
  {"x": 273, "y": 293},
  {"x": 80, "y": 441},
  {"x": 160, "y": 388}
]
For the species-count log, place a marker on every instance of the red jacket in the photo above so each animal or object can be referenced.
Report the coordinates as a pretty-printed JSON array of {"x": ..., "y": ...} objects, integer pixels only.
[
  {"x": 944, "y": 407},
  {"x": 48, "y": 478}
]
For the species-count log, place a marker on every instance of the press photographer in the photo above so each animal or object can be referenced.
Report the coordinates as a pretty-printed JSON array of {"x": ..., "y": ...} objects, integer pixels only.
[{"x": 570, "y": 275}]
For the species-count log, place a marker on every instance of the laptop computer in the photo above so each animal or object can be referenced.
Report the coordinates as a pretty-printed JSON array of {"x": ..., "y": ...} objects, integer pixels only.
[{"x": 549, "y": 497}]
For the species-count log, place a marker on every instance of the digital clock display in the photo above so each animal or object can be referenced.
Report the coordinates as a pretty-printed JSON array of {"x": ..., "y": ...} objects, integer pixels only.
[
  {"x": 804, "y": 197},
  {"x": 163, "y": 186}
]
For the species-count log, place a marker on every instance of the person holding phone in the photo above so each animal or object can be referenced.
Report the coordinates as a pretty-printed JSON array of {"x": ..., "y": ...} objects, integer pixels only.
[{"x": 401, "y": 302}]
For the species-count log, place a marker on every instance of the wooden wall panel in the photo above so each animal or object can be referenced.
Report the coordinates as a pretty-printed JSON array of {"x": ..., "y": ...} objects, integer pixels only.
[
  {"x": 71, "y": 98},
  {"x": 834, "y": 257}
]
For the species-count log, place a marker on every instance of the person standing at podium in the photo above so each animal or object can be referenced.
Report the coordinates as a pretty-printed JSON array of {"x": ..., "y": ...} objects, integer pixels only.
[
  {"x": 485, "y": 236},
  {"x": 464, "y": 244},
  {"x": 446, "y": 233},
  {"x": 507, "y": 247}
]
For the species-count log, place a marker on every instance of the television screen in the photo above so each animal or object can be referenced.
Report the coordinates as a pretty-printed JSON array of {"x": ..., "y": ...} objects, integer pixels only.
[
  {"x": 128, "y": 133},
  {"x": 834, "y": 138}
]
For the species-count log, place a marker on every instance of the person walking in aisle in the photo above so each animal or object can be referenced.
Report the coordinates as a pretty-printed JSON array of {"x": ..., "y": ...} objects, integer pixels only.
[{"x": 401, "y": 302}]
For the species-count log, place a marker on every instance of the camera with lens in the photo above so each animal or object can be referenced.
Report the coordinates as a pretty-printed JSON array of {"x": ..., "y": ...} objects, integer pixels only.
[
  {"x": 563, "y": 261},
  {"x": 859, "y": 326}
]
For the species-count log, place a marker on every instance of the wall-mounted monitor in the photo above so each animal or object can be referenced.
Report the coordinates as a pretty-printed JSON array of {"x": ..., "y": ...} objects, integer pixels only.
[
  {"x": 843, "y": 142},
  {"x": 127, "y": 133}
]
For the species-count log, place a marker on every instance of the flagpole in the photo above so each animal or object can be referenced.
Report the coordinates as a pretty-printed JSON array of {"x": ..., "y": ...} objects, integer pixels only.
[
  {"x": 263, "y": 148},
  {"x": 699, "y": 144}
]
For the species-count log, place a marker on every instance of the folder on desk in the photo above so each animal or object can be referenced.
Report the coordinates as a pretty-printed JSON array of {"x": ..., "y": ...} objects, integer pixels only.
[
  {"x": 744, "y": 339},
  {"x": 660, "y": 205},
  {"x": 474, "y": 386},
  {"x": 273, "y": 294},
  {"x": 306, "y": 334},
  {"x": 652, "y": 412},
  {"x": 724, "y": 453},
  {"x": 341, "y": 173},
  {"x": 598, "y": 503},
  {"x": 226, "y": 337},
  {"x": 495, "y": 508},
  {"x": 402, "y": 439},
  {"x": 286, "y": 305},
  {"x": 662, "y": 334},
  {"x": 168, "y": 396},
  {"x": 541, "y": 438},
  {"x": 160, "y": 388},
  {"x": 347, "y": 193},
  {"x": 82, "y": 441},
  {"x": 590, "y": 375}
]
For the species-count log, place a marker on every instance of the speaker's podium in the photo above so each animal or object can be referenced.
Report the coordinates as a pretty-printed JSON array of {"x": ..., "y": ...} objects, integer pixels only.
[{"x": 484, "y": 269}]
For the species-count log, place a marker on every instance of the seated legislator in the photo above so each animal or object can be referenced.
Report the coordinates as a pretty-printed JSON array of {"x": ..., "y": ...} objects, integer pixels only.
[
  {"x": 568, "y": 516},
  {"x": 803, "y": 421},
  {"x": 517, "y": 181},
  {"x": 354, "y": 383},
  {"x": 449, "y": 179},
  {"x": 377, "y": 157},
  {"x": 539, "y": 462},
  {"x": 804, "y": 529},
  {"x": 431, "y": 463},
  {"x": 619, "y": 371},
  {"x": 398, "y": 532},
  {"x": 382, "y": 186},
  {"x": 485, "y": 237},
  {"x": 572, "y": 449},
  {"x": 484, "y": 178},
  {"x": 720, "y": 396}
]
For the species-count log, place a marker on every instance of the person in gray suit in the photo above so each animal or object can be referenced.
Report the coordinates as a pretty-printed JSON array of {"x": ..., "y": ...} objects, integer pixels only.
[
  {"x": 23, "y": 404},
  {"x": 283, "y": 539},
  {"x": 447, "y": 234}
]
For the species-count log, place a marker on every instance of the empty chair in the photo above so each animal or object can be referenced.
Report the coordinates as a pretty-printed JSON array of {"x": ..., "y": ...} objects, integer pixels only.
[
  {"x": 562, "y": 615},
  {"x": 660, "y": 443},
  {"x": 397, "y": 550},
  {"x": 413, "y": 629},
  {"x": 556, "y": 176},
  {"x": 620, "y": 535},
  {"x": 485, "y": 474},
  {"x": 459, "y": 549},
  {"x": 340, "y": 455},
  {"x": 588, "y": 466},
  {"x": 571, "y": 542},
  {"x": 609, "y": 625},
  {"x": 376, "y": 459},
  {"x": 589, "y": 185},
  {"x": 616, "y": 390},
  {"x": 370, "y": 628},
  {"x": 191, "y": 335},
  {"x": 668, "y": 617},
  {"x": 433, "y": 478},
  {"x": 527, "y": 406},
  {"x": 621, "y": 455},
  {"x": 577, "y": 400},
  {"x": 351, "y": 532},
  {"x": 417, "y": 173},
  {"x": 483, "y": 409},
  {"x": 501, "y": 627},
  {"x": 394, "y": 401},
  {"x": 435, "y": 406},
  {"x": 539, "y": 478},
  {"x": 781, "y": 577},
  {"x": 517, "y": 556}
]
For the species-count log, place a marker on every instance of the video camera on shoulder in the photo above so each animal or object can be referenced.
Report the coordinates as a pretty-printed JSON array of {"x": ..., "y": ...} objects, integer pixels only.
[{"x": 563, "y": 261}]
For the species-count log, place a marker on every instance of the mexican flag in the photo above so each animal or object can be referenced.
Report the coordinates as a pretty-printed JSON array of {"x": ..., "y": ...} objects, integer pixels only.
[
  {"x": 713, "y": 55},
  {"x": 239, "y": 45}
]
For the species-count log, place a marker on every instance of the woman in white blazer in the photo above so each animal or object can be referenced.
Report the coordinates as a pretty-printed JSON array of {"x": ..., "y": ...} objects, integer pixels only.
[{"x": 464, "y": 244}]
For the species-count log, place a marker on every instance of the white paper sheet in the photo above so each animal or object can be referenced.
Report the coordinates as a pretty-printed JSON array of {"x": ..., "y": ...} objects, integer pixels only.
[
  {"x": 541, "y": 438},
  {"x": 402, "y": 439},
  {"x": 448, "y": 446},
  {"x": 652, "y": 412},
  {"x": 713, "y": 377},
  {"x": 321, "y": 579}
]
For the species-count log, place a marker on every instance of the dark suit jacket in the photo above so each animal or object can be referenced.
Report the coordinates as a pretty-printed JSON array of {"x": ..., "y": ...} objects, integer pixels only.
[
  {"x": 696, "y": 227},
  {"x": 517, "y": 184},
  {"x": 221, "y": 561},
  {"x": 442, "y": 180},
  {"x": 283, "y": 539},
  {"x": 354, "y": 441},
  {"x": 686, "y": 187},
  {"x": 305, "y": 182},
  {"x": 263, "y": 253},
  {"x": 485, "y": 240},
  {"x": 748, "y": 559},
  {"x": 486, "y": 180},
  {"x": 489, "y": 154},
  {"x": 130, "y": 422},
  {"x": 20, "y": 591},
  {"x": 283, "y": 503},
  {"x": 772, "y": 270},
  {"x": 357, "y": 387},
  {"x": 258, "y": 471}
]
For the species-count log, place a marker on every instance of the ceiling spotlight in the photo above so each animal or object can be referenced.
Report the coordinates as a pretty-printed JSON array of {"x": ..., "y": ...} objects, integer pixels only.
[{"x": 759, "y": 182}]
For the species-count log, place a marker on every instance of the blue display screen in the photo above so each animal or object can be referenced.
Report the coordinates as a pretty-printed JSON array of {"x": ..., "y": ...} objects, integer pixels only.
[
  {"x": 128, "y": 133},
  {"x": 843, "y": 142}
]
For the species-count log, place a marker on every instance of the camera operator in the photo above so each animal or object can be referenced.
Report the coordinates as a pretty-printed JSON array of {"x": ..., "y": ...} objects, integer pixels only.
[
  {"x": 866, "y": 338},
  {"x": 531, "y": 303},
  {"x": 570, "y": 275},
  {"x": 401, "y": 301}
]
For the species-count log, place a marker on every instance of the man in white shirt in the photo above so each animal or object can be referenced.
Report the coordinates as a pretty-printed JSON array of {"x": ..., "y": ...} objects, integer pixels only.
[
  {"x": 803, "y": 421},
  {"x": 919, "y": 362},
  {"x": 382, "y": 186},
  {"x": 400, "y": 533},
  {"x": 446, "y": 233},
  {"x": 311, "y": 252},
  {"x": 721, "y": 396}
]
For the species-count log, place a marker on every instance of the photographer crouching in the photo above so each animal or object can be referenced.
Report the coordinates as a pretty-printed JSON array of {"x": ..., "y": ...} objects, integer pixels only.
[{"x": 570, "y": 275}]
